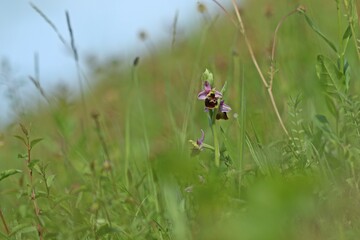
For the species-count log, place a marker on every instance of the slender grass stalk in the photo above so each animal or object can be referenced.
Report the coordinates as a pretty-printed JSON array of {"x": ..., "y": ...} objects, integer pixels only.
[
  {"x": 340, "y": 37},
  {"x": 352, "y": 15},
  {"x": 242, "y": 119},
  {"x": 76, "y": 58},
  {"x": 4, "y": 222},
  {"x": 36, "y": 79},
  {"x": 214, "y": 129}
]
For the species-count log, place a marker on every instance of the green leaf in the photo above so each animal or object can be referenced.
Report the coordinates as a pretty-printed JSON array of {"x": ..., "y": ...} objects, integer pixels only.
[
  {"x": 22, "y": 155},
  {"x": 348, "y": 33},
  {"x": 322, "y": 119},
  {"x": 35, "y": 141},
  {"x": 330, "y": 76},
  {"x": 106, "y": 229},
  {"x": 50, "y": 180},
  {"x": 224, "y": 88},
  {"x": 32, "y": 163},
  {"x": 24, "y": 129},
  {"x": 21, "y": 139},
  {"x": 347, "y": 74},
  {"x": 331, "y": 106},
  {"x": 22, "y": 228},
  {"x": 316, "y": 30},
  {"x": 8, "y": 173}
]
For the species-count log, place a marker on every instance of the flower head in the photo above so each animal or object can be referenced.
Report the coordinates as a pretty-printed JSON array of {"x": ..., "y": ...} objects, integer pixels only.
[
  {"x": 199, "y": 142},
  {"x": 207, "y": 91},
  {"x": 223, "y": 110}
]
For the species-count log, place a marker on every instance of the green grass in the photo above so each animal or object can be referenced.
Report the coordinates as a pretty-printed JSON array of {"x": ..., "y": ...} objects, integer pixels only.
[{"x": 123, "y": 168}]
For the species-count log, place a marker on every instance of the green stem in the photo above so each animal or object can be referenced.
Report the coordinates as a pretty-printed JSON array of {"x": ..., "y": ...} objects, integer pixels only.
[
  {"x": 341, "y": 46},
  {"x": 216, "y": 139}
]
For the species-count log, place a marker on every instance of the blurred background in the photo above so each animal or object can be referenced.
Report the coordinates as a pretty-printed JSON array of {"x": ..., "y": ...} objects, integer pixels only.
[{"x": 102, "y": 30}]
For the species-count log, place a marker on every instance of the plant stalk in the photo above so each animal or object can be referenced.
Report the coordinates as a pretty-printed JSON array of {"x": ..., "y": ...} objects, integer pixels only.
[
  {"x": 216, "y": 138},
  {"x": 4, "y": 223}
]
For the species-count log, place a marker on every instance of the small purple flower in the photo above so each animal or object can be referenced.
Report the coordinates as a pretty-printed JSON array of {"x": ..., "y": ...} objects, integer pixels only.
[
  {"x": 223, "y": 110},
  {"x": 200, "y": 141},
  {"x": 198, "y": 145},
  {"x": 208, "y": 91}
]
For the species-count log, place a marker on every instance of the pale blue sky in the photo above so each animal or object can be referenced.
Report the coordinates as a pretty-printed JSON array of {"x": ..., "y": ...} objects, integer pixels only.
[{"x": 101, "y": 28}]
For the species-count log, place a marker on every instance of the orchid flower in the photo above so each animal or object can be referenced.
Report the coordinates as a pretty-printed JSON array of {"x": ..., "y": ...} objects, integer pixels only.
[
  {"x": 200, "y": 141},
  {"x": 198, "y": 145},
  {"x": 208, "y": 91},
  {"x": 223, "y": 110}
]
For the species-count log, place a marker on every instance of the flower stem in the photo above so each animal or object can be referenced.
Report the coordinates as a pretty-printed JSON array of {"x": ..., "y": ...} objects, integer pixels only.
[{"x": 216, "y": 139}]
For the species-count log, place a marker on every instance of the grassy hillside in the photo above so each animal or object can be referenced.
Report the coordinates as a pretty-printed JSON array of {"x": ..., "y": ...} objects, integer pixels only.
[{"x": 119, "y": 164}]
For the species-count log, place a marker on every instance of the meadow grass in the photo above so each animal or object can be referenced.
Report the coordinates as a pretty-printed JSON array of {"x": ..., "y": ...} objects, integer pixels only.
[{"x": 118, "y": 164}]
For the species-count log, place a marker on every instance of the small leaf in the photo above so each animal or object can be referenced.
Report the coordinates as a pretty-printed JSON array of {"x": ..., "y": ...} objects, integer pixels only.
[
  {"x": 331, "y": 78},
  {"x": 331, "y": 106},
  {"x": 32, "y": 163},
  {"x": 316, "y": 29},
  {"x": 35, "y": 141},
  {"x": 8, "y": 173},
  {"x": 23, "y": 228},
  {"x": 106, "y": 229},
  {"x": 224, "y": 88},
  {"x": 322, "y": 119},
  {"x": 21, "y": 139},
  {"x": 22, "y": 155},
  {"x": 50, "y": 180},
  {"x": 25, "y": 131},
  {"x": 348, "y": 33}
]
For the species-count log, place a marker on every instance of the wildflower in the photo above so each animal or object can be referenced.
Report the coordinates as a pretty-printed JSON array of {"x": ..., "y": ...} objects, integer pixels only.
[
  {"x": 223, "y": 110},
  {"x": 211, "y": 101},
  {"x": 208, "y": 91},
  {"x": 199, "y": 142},
  {"x": 211, "y": 97}
]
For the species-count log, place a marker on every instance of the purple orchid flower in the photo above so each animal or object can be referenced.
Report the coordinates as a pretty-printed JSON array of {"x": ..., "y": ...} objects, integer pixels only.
[
  {"x": 200, "y": 141},
  {"x": 223, "y": 110},
  {"x": 208, "y": 91},
  {"x": 198, "y": 145}
]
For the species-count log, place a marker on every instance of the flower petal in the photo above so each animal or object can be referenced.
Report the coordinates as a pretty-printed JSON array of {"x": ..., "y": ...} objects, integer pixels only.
[
  {"x": 224, "y": 107},
  {"x": 218, "y": 94},
  {"x": 202, "y": 95},
  {"x": 201, "y": 140},
  {"x": 207, "y": 87},
  {"x": 221, "y": 115}
]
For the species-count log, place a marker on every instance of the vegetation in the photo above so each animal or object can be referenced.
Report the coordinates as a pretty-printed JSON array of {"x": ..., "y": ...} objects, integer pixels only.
[{"x": 129, "y": 161}]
